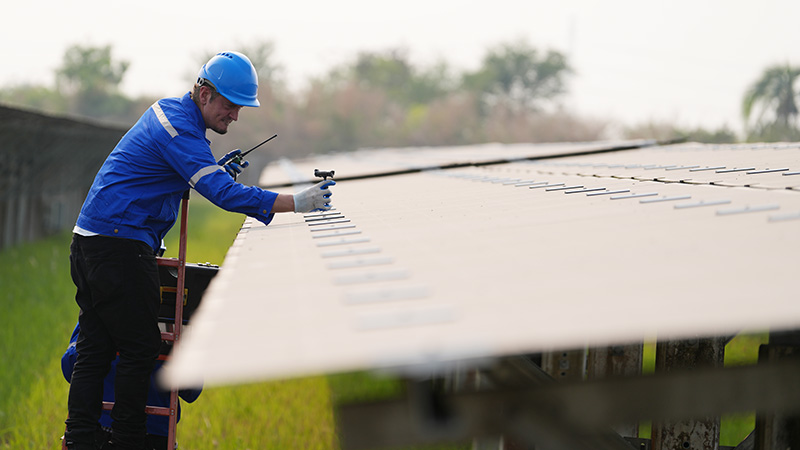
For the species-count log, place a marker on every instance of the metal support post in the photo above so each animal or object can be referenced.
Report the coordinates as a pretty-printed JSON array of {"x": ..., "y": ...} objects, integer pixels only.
[
  {"x": 567, "y": 365},
  {"x": 616, "y": 361},
  {"x": 779, "y": 431},
  {"x": 699, "y": 433}
]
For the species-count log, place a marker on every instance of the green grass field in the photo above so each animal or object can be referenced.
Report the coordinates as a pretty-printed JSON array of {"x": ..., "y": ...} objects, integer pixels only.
[{"x": 39, "y": 312}]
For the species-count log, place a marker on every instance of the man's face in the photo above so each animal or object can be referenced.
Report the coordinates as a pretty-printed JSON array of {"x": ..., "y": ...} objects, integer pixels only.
[{"x": 218, "y": 113}]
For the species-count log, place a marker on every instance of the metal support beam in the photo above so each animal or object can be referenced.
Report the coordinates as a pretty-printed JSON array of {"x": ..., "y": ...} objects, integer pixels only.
[{"x": 569, "y": 415}]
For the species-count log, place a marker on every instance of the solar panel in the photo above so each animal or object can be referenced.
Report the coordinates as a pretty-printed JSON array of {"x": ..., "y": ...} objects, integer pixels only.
[
  {"x": 373, "y": 162},
  {"x": 428, "y": 268}
]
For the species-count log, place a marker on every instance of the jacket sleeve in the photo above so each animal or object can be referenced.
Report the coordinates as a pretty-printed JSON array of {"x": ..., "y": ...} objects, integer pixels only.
[
  {"x": 191, "y": 157},
  {"x": 190, "y": 395},
  {"x": 70, "y": 356},
  {"x": 220, "y": 189}
]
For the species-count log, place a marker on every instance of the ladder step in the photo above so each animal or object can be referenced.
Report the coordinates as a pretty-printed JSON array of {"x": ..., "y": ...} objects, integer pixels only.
[
  {"x": 151, "y": 410},
  {"x": 171, "y": 262},
  {"x": 158, "y": 411}
]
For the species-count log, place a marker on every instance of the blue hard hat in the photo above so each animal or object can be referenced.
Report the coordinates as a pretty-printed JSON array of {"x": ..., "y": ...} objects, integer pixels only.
[{"x": 234, "y": 77}]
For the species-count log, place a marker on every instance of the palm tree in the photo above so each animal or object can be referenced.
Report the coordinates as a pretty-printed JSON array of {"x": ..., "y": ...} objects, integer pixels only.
[{"x": 775, "y": 93}]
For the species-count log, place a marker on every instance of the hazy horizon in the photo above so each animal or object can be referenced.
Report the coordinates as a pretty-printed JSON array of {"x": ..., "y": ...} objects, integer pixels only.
[{"x": 683, "y": 62}]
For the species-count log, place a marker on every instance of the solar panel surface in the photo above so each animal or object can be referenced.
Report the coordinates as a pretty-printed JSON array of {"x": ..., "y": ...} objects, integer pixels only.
[{"x": 429, "y": 268}]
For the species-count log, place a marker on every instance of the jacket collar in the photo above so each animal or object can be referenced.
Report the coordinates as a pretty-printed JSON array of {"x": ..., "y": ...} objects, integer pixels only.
[{"x": 194, "y": 114}]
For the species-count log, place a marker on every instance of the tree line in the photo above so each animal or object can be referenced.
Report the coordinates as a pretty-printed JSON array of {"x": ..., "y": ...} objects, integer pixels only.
[
  {"x": 382, "y": 99},
  {"x": 378, "y": 99}
]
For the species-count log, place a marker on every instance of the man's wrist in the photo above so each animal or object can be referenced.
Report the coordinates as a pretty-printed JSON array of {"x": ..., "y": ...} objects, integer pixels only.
[{"x": 283, "y": 203}]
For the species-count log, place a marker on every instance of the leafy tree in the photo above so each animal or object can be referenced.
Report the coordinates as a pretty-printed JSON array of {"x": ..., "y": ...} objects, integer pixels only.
[
  {"x": 87, "y": 83},
  {"x": 376, "y": 99},
  {"x": 775, "y": 97},
  {"x": 393, "y": 73},
  {"x": 90, "y": 69},
  {"x": 519, "y": 77},
  {"x": 90, "y": 79}
]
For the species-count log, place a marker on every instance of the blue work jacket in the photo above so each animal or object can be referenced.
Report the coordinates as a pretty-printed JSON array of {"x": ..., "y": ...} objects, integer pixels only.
[{"x": 137, "y": 192}]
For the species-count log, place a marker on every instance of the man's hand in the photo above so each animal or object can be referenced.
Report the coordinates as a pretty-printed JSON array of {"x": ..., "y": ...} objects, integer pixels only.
[
  {"x": 233, "y": 167},
  {"x": 314, "y": 198}
]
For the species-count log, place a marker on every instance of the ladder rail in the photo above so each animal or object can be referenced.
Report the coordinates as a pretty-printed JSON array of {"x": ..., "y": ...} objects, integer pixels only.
[{"x": 176, "y": 333}]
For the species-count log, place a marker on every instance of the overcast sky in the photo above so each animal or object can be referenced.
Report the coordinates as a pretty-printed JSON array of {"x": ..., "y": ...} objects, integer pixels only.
[{"x": 683, "y": 61}]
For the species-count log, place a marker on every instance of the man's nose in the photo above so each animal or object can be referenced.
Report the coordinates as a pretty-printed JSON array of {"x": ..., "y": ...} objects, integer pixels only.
[{"x": 235, "y": 114}]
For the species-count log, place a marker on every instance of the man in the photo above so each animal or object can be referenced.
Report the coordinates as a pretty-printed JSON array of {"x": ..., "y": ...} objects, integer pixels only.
[{"x": 131, "y": 205}]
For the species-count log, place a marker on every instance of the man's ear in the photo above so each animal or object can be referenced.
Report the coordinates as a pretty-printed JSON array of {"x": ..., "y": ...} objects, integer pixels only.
[{"x": 205, "y": 95}]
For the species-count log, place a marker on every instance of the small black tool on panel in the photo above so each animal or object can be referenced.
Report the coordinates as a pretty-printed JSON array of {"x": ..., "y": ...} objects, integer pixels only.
[{"x": 324, "y": 174}]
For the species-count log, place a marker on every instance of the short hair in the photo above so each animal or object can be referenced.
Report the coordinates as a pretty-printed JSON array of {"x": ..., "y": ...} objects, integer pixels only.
[{"x": 203, "y": 82}]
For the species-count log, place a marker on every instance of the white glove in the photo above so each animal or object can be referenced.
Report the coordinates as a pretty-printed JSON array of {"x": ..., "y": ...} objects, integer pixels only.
[{"x": 314, "y": 198}]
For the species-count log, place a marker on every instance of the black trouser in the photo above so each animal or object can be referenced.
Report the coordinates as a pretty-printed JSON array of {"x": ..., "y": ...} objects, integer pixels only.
[
  {"x": 154, "y": 441},
  {"x": 118, "y": 293}
]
